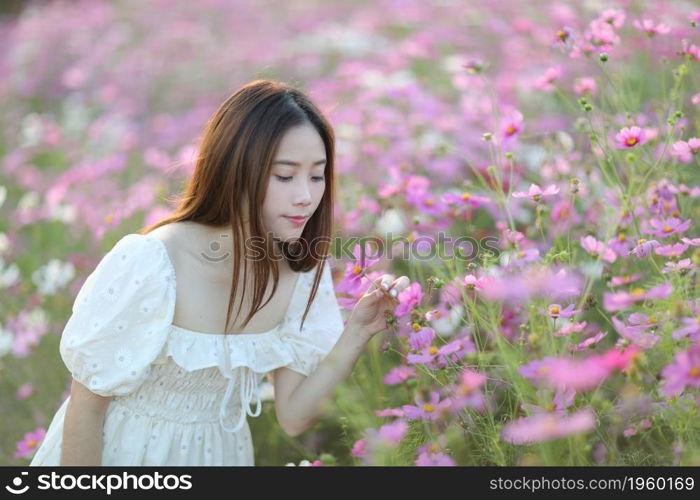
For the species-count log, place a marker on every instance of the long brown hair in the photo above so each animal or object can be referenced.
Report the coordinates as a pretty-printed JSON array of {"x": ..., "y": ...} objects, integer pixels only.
[{"x": 238, "y": 146}]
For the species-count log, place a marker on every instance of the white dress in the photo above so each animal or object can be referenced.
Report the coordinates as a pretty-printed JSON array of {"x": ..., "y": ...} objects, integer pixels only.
[{"x": 180, "y": 397}]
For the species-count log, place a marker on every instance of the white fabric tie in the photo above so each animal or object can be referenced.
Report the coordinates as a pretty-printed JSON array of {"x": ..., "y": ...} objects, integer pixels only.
[{"x": 248, "y": 389}]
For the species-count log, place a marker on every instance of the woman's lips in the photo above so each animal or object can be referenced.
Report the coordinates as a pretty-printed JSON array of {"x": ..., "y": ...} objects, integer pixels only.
[{"x": 297, "y": 221}]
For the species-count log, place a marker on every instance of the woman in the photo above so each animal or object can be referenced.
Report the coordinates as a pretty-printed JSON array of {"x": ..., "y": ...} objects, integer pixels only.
[{"x": 161, "y": 375}]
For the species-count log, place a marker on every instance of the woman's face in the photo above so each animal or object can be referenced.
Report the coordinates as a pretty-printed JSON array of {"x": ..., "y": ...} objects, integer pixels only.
[{"x": 296, "y": 183}]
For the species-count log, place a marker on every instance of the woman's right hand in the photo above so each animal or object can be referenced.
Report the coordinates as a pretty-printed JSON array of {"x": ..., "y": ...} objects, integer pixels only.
[{"x": 369, "y": 315}]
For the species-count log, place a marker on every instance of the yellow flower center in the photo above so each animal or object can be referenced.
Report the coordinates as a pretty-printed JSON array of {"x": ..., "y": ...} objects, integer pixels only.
[
  {"x": 667, "y": 229},
  {"x": 109, "y": 219},
  {"x": 433, "y": 448},
  {"x": 542, "y": 370},
  {"x": 466, "y": 196},
  {"x": 695, "y": 371},
  {"x": 637, "y": 291},
  {"x": 428, "y": 408},
  {"x": 554, "y": 310},
  {"x": 31, "y": 443},
  {"x": 697, "y": 320},
  {"x": 429, "y": 202},
  {"x": 410, "y": 238},
  {"x": 510, "y": 130},
  {"x": 631, "y": 141},
  {"x": 641, "y": 241},
  {"x": 415, "y": 327},
  {"x": 651, "y": 319},
  {"x": 356, "y": 270},
  {"x": 621, "y": 237},
  {"x": 521, "y": 254},
  {"x": 549, "y": 406},
  {"x": 433, "y": 350}
]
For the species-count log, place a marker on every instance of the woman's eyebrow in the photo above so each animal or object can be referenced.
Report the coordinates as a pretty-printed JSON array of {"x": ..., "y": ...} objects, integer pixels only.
[{"x": 296, "y": 164}]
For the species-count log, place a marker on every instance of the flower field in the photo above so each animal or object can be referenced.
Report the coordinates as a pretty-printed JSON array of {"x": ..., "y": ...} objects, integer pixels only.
[{"x": 532, "y": 167}]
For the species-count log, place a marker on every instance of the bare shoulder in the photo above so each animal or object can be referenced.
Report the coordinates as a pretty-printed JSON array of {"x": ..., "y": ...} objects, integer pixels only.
[{"x": 173, "y": 235}]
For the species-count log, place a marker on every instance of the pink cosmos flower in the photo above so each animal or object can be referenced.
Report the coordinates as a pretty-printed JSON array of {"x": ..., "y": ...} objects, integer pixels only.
[
  {"x": 471, "y": 282},
  {"x": 635, "y": 428},
  {"x": 30, "y": 443},
  {"x": 647, "y": 26},
  {"x": 512, "y": 126},
  {"x": 624, "y": 280},
  {"x": 691, "y": 328},
  {"x": 409, "y": 298},
  {"x": 588, "y": 343},
  {"x": 359, "y": 449},
  {"x": 570, "y": 328},
  {"x": 630, "y": 137},
  {"x": 431, "y": 456},
  {"x": 390, "y": 412},
  {"x": 534, "y": 282},
  {"x": 431, "y": 410},
  {"x": 535, "y": 193},
  {"x": 394, "y": 432},
  {"x": 399, "y": 375},
  {"x": 556, "y": 311},
  {"x": 662, "y": 228},
  {"x": 595, "y": 248},
  {"x": 684, "y": 151},
  {"x": 467, "y": 394},
  {"x": 694, "y": 241},
  {"x": 547, "y": 426},
  {"x": 615, "y": 18},
  {"x": 583, "y": 85},
  {"x": 622, "y": 300},
  {"x": 636, "y": 334},
  {"x": 691, "y": 50},
  {"x": 421, "y": 339},
  {"x": 355, "y": 271},
  {"x": 684, "y": 371},
  {"x": 560, "y": 401},
  {"x": 464, "y": 199},
  {"x": 546, "y": 81},
  {"x": 644, "y": 248},
  {"x": 675, "y": 250}
]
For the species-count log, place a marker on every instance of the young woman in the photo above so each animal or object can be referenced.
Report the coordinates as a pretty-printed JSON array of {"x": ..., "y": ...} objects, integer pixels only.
[{"x": 162, "y": 373}]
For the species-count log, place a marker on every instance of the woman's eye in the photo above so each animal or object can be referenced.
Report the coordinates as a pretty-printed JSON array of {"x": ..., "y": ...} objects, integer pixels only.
[{"x": 289, "y": 178}]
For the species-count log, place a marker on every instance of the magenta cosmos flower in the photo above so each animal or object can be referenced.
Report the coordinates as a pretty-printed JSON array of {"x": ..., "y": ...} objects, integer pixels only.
[
  {"x": 662, "y": 228},
  {"x": 684, "y": 371},
  {"x": 399, "y": 375},
  {"x": 557, "y": 311},
  {"x": 535, "y": 193},
  {"x": 466, "y": 393},
  {"x": 595, "y": 248},
  {"x": 30, "y": 442},
  {"x": 684, "y": 151},
  {"x": 622, "y": 300},
  {"x": 431, "y": 456},
  {"x": 636, "y": 334},
  {"x": 547, "y": 426},
  {"x": 431, "y": 410},
  {"x": 647, "y": 26},
  {"x": 585, "y": 84},
  {"x": 630, "y": 137}
]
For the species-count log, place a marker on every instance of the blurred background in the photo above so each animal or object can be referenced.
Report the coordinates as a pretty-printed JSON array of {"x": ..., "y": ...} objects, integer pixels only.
[{"x": 102, "y": 104}]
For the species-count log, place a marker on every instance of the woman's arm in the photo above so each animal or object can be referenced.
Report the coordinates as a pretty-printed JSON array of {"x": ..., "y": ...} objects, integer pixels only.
[
  {"x": 299, "y": 399},
  {"x": 82, "y": 427}
]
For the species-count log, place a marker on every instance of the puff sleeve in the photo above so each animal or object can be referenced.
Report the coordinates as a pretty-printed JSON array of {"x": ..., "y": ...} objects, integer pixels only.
[
  {"x": 322, "y": 328},
  {"x": 121, "y": 317}
]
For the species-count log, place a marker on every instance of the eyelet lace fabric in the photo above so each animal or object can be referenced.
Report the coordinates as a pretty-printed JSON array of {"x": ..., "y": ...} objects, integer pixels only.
[{"x": 180, "y": 397}]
